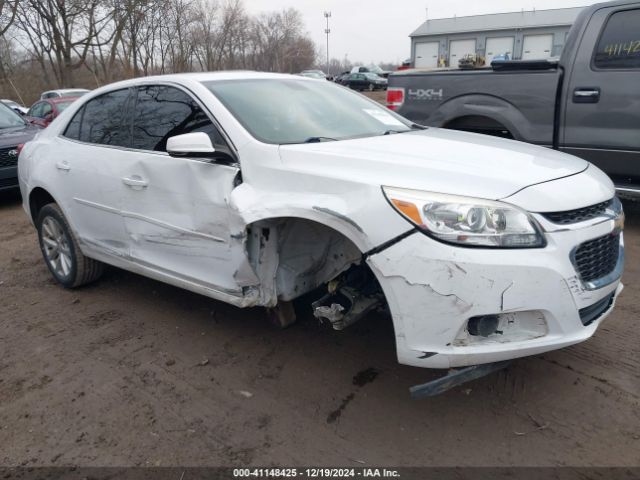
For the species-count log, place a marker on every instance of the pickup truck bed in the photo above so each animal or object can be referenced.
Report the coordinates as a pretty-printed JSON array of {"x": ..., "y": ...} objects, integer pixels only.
[{"x": 487, "y": 94}]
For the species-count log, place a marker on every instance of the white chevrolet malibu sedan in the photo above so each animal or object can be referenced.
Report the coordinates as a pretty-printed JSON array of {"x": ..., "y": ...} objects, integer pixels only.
[{"x": 255, "y": 189}]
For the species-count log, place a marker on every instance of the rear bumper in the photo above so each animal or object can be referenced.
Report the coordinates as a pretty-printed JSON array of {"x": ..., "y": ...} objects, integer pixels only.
[{"x": 433, "y": 290}]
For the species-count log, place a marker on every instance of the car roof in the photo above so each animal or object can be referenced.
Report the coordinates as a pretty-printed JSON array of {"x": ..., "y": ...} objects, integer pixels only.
[{"x": 204, "y": 77}]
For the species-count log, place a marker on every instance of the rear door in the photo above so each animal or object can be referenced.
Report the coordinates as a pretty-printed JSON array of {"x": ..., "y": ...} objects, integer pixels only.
[
  {"x": 357, "y": 81},
  {"x": 602, "y": 97},
  {"x": 93, "y": 152},
  {"x": 175, "y": 209}
]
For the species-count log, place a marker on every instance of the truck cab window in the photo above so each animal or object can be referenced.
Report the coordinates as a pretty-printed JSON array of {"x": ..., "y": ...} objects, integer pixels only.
[{"x": 619, "y": 45}]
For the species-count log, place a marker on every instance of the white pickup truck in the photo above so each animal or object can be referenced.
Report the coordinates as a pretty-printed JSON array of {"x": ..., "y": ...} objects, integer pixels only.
[{"x": 255, "y": 189}]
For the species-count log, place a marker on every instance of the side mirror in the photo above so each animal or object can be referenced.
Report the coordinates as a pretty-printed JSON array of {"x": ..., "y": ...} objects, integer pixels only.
[{"x": 196, "y": 144}]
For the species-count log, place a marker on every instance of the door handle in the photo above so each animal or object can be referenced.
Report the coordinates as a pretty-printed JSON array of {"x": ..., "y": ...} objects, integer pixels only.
[
  {"x": 586, "y": 95},
  {"x": 64, "y": 165},
  {"x": 135, "y": 181}
]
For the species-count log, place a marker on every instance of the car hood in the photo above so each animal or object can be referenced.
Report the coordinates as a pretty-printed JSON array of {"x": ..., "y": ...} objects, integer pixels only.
[
  {"x": 10, "y": 137},
  {"x": 436, "y": 160}
]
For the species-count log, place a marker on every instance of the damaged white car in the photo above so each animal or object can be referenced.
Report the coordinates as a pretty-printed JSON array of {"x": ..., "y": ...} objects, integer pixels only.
[{"x": 255, "y": 189}]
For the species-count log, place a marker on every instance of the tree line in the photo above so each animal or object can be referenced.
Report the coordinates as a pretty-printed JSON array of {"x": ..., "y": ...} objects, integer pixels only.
[{"x": 48, "y": 44}]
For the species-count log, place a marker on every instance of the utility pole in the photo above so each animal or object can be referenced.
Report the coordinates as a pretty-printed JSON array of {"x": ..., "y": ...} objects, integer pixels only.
[{"x": 327, "y": 30}]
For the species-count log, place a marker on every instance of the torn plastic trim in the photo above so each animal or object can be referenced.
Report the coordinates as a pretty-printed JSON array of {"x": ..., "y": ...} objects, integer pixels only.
[
  {"x": 456, "y": 378},
  {"x": 390, "y": 243}
]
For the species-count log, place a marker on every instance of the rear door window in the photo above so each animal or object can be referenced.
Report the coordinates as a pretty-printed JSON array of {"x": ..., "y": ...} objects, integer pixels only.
[
  {"x": 103, "y": 120},
  {"x": 619, "y": 44},
  {"x": 162, "y": 112}
]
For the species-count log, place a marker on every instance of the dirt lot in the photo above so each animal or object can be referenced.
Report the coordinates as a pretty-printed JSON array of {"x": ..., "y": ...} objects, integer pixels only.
[{"x": 130, "y": 371}]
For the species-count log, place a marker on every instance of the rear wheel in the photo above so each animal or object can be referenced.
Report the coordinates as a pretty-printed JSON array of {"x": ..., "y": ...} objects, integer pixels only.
[{"x": 61, "y": 251}]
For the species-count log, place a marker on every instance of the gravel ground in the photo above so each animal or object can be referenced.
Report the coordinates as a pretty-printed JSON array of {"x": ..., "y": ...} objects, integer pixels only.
[{"x": 130, "y": 371}]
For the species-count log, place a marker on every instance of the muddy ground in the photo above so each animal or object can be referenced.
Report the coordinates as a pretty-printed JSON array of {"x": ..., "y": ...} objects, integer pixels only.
[{"x": 130, "y": 371}]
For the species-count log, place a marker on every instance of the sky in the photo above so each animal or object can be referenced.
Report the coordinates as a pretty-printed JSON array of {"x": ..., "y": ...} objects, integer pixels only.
[{"x": 378, "y": 30}]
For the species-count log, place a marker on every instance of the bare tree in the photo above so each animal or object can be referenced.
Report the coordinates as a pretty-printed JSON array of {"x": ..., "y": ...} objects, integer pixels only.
[
  {"x": 8, "y": 9},
  {"x": 62, "y": 32},
  {"x": 62, "y": 43}
]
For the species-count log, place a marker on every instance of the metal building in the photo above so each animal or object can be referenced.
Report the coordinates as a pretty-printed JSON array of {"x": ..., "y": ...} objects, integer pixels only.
[{"x": 523, "y": 35}]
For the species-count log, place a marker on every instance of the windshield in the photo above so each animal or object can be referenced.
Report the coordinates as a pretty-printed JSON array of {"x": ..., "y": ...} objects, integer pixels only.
[
  {"x": 297, "y": 111},
  {"x": 9, "y": 118}
]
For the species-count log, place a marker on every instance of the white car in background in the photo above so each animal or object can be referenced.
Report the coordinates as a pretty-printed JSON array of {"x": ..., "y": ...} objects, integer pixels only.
[
  {"x": 15, "y": 106},
  {"x": 64, "y": 92},
  {"x": 256, "y": 188}
]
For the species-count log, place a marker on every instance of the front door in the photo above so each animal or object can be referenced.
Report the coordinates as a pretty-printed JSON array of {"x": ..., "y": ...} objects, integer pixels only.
[
  {"x": 602, "y": 97},
  {"x": 175, "y": 210}
]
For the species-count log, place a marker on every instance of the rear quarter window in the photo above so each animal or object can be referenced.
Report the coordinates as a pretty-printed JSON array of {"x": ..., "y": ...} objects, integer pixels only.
[{"x": 619, "y": 44}]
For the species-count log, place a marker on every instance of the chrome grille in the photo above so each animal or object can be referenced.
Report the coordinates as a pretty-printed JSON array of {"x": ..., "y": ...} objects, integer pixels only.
[
  {"x": 579, "y": 214},
  {"x": 597, "y": 258},
  {"x": 7, "y": 160}
]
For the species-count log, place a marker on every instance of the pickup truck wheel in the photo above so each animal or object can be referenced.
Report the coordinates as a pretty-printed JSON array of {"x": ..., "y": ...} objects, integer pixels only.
[{"x": 61, "y": 251}]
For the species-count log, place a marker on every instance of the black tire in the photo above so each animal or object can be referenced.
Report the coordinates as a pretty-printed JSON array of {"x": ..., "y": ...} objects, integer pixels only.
[{"x": 65, "y": 261}]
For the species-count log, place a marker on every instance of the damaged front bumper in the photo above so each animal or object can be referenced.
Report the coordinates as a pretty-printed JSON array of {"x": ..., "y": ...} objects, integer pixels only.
[{"x": 455, "y": 307}]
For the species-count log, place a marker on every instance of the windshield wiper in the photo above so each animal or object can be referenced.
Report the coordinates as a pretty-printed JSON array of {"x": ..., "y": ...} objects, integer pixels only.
[
  {"x": 319, "y": 139},
  {"x": 413, "y": 126}
]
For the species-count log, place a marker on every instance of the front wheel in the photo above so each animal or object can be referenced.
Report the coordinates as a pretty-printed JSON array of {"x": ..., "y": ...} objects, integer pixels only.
[{"x": 61, "y": 251}]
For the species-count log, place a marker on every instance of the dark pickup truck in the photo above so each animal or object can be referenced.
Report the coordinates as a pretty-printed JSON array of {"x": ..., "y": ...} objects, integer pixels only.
[{"x": 586, "y": 104}]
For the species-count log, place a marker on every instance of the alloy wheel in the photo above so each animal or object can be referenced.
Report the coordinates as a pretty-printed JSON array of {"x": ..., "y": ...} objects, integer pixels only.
[{"x": 56, "y": 247}]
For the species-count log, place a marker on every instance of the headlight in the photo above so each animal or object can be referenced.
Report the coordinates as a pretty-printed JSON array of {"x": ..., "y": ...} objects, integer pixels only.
[{"x": 466, "y": 221}]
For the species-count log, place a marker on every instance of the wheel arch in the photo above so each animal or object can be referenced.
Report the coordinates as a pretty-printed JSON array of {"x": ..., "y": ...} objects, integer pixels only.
[
  {"x": 38, "y": 198},
  {"x": 295, "y": 254},
  {"x": 494, "y": 110}
]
